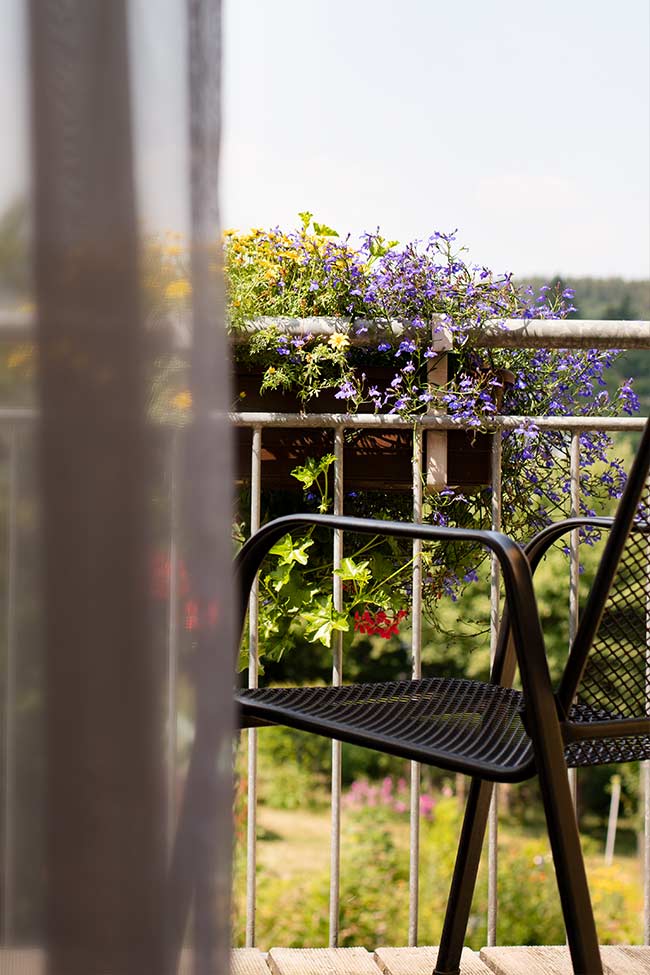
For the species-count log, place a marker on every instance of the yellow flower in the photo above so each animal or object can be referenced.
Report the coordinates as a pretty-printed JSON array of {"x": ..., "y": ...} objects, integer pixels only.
[
  {"x": 178, "y": 289},
  {"x": 338, "y": 341},
  {"x": 21, "y": 356},
  {"x": 182, "y": 400}
]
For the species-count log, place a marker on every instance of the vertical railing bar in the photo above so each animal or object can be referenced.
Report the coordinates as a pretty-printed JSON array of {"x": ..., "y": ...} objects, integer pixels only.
[
  {"x": 493, "y": 819},
  {"x": 416, "y": 673},
  {"x": 253, "y": 678},
  {"x": 574, "y": 571},
  {"x": 10, "y": 692},
  {"x": 172, "y": 641},
  {"x": 337, "y": 677}
]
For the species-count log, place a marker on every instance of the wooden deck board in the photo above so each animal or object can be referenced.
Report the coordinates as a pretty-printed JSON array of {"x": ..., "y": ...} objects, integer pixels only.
[
  {"x": 321, "y": 961},
  {"x": 247, "y": 961},
  {"x": 23, "y": 961},
  {"x": 617, "y": 960},
  {"x": 32, "y": 961},
  {"x": 420, "y": 961}
]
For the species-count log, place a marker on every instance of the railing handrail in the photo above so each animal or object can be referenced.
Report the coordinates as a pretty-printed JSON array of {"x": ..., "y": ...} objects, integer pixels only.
[
  {"x": 531, "y": 333},
  {"x": 507, "y": 333},
  {"x": 427, "y": 421}
]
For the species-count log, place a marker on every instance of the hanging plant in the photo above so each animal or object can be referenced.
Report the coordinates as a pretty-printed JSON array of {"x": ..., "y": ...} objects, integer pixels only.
[{"x": 397, "y": 315}]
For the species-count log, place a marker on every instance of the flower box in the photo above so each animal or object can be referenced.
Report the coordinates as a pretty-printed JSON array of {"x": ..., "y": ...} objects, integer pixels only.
[{"x": 373, "y": 459}]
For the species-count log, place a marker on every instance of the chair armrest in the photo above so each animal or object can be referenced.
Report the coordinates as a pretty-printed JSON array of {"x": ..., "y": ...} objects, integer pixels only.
[
  {"x": 537, "y": 547},
  {"x": 524, "y": 621},
  {"x": 252, "y": 553},
  {"x": 503, "y": 668},
  {"x": 515, "y": 568}
]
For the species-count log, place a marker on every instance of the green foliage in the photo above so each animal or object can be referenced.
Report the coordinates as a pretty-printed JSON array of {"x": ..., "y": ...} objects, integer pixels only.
[
  {"x": 529, "y": 905},
  {"x": 293, "y": 911},
  {"x": 14, "y": 252},
  {"x": 597, "y": 298},
  {"x": 618, "y": 300},
  {"x": 296, "y": 584}
]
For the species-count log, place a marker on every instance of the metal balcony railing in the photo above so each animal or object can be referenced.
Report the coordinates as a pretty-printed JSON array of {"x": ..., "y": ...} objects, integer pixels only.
[{"x": 522, "y": 334}]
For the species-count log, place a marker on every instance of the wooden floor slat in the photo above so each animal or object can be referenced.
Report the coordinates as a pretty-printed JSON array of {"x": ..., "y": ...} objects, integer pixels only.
[
  {"x": 617, "y": 960},
  {"x": 627, "y": 960},
  {"x": 248, "y": 961},
  {"x": 22, "y": 961},
  {"x": 32, "y": 961},
  {"x": 420, "y": 961},
  {"x": 321, "y": 961}
]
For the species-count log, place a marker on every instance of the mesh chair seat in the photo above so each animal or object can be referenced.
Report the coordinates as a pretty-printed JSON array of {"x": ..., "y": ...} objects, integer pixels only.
[
  {"x": 461, "y": 724},
  {"x": 450, "y": 721},
  {"x": 604, "y": 751}
]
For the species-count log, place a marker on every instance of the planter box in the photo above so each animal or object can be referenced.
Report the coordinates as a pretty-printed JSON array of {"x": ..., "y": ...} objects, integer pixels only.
[
  {"x": 379, "y": 460},
  {"x": 372, "y": 460}
]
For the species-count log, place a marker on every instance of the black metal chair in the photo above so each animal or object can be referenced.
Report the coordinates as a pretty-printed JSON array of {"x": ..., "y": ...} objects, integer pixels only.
[{"x": 598, "y": 713}]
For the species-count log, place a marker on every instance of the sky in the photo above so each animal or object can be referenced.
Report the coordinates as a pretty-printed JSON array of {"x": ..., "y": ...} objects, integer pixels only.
[{"x": 523, "y": 126}]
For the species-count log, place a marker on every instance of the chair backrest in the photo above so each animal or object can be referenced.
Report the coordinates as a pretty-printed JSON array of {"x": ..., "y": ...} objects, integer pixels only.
[{"x": 608, "y": 669}]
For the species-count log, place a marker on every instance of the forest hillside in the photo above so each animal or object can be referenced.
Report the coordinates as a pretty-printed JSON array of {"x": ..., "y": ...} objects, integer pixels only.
[{"x": 614, "y": 299}]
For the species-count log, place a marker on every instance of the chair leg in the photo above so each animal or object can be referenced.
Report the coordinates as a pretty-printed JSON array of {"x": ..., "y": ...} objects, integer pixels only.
[
  {"x": 570, "y": 869},
  {"x": 464, "y": 878}
]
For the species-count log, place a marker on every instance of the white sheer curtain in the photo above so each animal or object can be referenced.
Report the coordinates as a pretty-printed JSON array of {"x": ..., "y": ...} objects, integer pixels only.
[{"x": 130, "y": 858}]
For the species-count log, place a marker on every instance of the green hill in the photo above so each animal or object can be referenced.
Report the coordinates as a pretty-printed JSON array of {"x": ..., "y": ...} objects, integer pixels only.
[{"x": 614, "y": 299}]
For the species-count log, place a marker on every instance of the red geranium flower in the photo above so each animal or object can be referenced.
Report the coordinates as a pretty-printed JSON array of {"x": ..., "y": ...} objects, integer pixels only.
[{"x": 379, "y": 623}]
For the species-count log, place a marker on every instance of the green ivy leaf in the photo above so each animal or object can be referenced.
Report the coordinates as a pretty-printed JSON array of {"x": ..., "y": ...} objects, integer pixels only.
[
  {"x": 296, "y": 595},
  {"x": 322, "y": 621},
  {"x": 323, "y": 230},
  {"x": 309, "y": 473},
  {"x": 306, "y": 475},
  {"x": 289, "y": 552},
  {"x": 279, "y": 577},
  {"x": 351, "y": 571}
]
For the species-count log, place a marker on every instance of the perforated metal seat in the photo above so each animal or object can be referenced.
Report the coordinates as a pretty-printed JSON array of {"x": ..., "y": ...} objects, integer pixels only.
[{"x": 457, "y": 721}]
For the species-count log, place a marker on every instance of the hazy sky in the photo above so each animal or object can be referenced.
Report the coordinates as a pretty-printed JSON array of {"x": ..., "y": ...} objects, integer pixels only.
[{"x": 524, "y": 125}]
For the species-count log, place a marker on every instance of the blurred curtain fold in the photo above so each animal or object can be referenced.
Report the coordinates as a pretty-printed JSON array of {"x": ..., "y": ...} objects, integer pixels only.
[{"x": 113, "y": 904}]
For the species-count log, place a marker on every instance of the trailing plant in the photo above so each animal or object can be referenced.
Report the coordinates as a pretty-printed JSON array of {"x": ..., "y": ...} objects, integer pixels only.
[
  {"x": 296, "y": 596},
  {"x": 390, "y": 305}
]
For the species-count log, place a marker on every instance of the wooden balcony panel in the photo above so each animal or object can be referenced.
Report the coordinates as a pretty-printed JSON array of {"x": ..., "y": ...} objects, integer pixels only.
[{"x": 617, "y": 960}]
